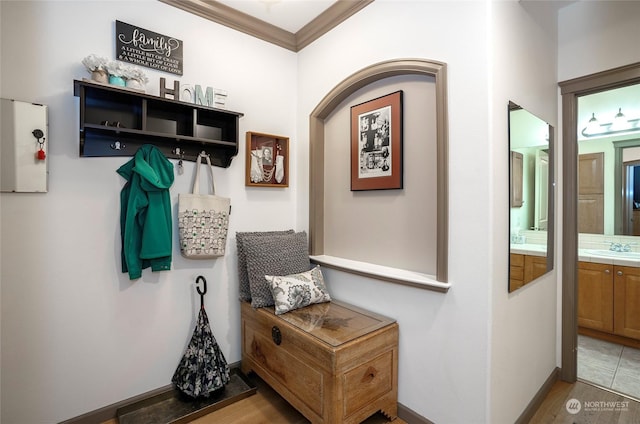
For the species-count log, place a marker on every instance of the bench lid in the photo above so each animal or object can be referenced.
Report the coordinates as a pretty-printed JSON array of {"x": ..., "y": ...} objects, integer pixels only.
[{"x": 335, "y": 322}]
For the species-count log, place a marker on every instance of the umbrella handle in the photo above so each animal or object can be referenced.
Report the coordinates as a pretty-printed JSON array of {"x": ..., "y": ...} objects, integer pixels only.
[{"x": 201, "y": 292}]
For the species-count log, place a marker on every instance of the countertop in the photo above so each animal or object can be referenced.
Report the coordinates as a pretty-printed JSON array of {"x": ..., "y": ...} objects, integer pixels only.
[
  {"x": 609, "y": 257},
  {"x": 529, "y": 249},
  {"x": 584, "y": 255}
]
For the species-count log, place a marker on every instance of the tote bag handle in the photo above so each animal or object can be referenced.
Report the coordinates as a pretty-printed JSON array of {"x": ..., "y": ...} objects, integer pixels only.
[{"x": 196, "y": 182}]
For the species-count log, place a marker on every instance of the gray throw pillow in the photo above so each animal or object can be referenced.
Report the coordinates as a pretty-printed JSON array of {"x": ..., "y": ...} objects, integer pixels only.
[
  {"x": 277, "y": 255},
  {"x": 243, "y": 276}
]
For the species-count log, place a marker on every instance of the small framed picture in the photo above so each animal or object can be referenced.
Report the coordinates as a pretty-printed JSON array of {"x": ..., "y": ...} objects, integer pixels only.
[
  {"x": 376, "y": 143},
  {"x": 267, "y": 163}
]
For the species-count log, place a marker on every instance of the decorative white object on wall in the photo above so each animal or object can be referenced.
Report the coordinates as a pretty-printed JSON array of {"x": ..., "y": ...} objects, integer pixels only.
[{"x": 24, "y": 146}]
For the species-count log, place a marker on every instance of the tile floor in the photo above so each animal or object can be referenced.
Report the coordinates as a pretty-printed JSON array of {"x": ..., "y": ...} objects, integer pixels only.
[{"x": 609, "y": 365}]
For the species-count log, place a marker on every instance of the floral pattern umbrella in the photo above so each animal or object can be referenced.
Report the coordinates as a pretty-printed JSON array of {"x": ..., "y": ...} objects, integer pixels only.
[{"x": 203, "y": 368}]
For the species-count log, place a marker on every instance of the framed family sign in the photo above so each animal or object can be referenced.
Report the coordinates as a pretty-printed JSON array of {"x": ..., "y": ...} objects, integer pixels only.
[
  {"x": 376, "y": 143},
  {"x": 267, "y": 163}
]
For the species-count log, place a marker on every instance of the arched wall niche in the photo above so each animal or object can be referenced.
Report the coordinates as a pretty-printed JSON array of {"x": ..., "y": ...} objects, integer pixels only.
[{"x": 329, "y": 103}]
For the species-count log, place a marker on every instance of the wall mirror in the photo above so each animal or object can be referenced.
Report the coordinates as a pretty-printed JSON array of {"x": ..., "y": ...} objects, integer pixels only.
[
  {"x": 609, "y": 166},
  {"x": 531, "y": 194}
]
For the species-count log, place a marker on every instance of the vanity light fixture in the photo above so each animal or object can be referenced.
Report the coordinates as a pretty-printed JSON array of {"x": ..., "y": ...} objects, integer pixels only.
[
  {"x": 619, "y": 122},
  {"x": 619, "y": 125},
  {"x": 593, "y": 126}
]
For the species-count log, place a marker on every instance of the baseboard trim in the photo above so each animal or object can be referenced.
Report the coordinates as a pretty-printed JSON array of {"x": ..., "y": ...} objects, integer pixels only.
[
  {"x": 411, "y": 416},
  {"x": 537, "y": 400},
  {"x": 111, "y": 411}
]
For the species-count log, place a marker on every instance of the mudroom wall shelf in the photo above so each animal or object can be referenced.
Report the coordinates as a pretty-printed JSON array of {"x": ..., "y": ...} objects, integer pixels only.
[{"x": 117, "y": 121}]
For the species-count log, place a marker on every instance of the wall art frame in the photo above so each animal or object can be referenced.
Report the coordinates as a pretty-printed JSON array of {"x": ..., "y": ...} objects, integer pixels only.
[
  {"x": 267, "y": 160},
  {"x": 376, "y": 144}
]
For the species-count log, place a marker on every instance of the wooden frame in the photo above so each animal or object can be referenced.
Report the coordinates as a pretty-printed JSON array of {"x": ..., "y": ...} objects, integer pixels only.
[
  {"x": 267, "y": 160},
  {"x": 376, "y": 143}
]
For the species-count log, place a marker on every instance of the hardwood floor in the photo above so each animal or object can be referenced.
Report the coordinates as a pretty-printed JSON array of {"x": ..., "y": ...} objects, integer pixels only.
[
  {"x": 589, "y": 404},
  {"x": 597, "y": 406},
  {"x": 265, "y": 407}
]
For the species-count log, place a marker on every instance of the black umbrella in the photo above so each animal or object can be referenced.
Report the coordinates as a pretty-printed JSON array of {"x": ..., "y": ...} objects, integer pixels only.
[{"x": 203, "y": 368}]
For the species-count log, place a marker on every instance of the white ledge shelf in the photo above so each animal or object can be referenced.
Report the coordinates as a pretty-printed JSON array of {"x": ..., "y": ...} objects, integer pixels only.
[{"x": 394, "y": 275}]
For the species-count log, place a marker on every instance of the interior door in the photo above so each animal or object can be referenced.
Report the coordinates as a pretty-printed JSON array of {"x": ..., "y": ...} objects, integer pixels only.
[
  {"x": 541, "y": 213},
  {"x": 516, "y": 179},
  {"x": 591, "y": 193}
]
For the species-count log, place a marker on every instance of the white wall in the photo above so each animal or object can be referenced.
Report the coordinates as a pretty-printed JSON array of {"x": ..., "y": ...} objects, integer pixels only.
[
  {"x": 77, "y": 335},
  {"x": 443, "y": 337},
  {"x": 597, "y": 35},
  {"x": 523, "y": 323}
]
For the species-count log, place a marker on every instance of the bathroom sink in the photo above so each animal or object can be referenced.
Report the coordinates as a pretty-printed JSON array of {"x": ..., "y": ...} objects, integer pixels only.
[{"x": 614, "y": 254}]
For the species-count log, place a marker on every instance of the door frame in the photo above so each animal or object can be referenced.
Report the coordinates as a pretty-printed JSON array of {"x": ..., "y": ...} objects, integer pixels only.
[{"x": 570, "y": 90}]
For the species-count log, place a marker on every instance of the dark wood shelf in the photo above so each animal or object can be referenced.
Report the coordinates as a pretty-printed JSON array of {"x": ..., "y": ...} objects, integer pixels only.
[{"x": 117, "y": 121}]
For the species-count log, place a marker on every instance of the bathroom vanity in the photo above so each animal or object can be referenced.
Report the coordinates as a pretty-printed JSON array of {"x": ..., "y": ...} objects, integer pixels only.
[{"x": 609, "y": 295}]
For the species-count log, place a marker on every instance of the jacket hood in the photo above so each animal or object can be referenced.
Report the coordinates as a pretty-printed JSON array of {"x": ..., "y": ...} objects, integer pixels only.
[{"x": 154, "y": 169}]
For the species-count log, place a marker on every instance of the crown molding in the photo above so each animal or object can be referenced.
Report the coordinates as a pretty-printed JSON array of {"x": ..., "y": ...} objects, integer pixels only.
[
  {"x": 232, "y": 18},
  {"x": 337, "y": 13}
]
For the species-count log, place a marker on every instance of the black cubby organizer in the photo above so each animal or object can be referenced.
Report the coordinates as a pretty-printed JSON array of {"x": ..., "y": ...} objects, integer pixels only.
[{"x": 117, "y": 121}]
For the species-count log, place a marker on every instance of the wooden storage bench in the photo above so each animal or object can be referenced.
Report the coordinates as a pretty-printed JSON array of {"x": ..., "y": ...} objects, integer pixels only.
[{"x": 334, "y": 362}]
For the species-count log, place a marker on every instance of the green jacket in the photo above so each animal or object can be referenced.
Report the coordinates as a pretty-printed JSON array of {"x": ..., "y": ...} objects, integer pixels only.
[{"x": 145, "y": 212}]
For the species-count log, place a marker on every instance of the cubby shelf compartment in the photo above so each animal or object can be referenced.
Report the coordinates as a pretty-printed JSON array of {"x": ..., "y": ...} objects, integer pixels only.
[{"x": 117, "y": 121}]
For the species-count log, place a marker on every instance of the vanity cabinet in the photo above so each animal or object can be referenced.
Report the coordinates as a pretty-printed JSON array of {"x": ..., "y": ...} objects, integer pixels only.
[
  {"x": 626, "y": 301},
  {"x": 523, "y": 269},
  {"x": 516, "y": 271},
  {"x": 335, "y": 363},
  {"x": 534, "y": 267},
  {"x": 595, "y": 296},
  {"x": 117, "y": 121},
  {"x": 609, "y": 299}
]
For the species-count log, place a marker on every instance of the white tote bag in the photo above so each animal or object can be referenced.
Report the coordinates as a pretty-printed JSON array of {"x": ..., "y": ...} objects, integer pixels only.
[{"x": 203, "y": 219}]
